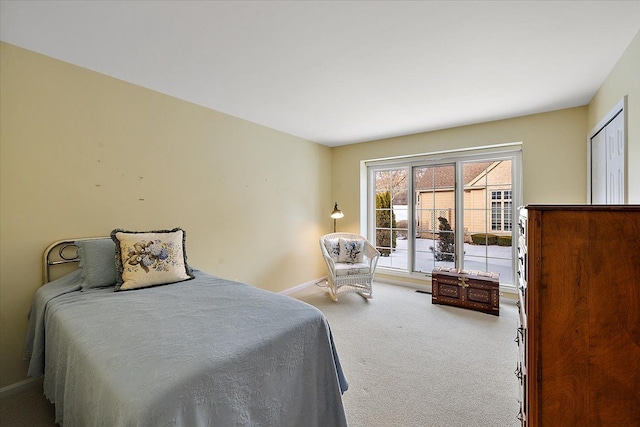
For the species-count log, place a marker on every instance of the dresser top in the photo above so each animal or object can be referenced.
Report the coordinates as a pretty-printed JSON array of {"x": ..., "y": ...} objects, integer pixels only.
[{"x": 583, "y": 207}]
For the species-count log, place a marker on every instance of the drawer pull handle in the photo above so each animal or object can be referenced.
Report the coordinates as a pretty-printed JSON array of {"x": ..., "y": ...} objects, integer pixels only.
[
  {"x": 518, "y": 373},
  {"x": 519, "y": 333}
]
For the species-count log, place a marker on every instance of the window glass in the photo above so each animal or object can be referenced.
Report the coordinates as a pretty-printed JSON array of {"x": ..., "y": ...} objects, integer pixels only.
[{"x": 415, "y": 215}]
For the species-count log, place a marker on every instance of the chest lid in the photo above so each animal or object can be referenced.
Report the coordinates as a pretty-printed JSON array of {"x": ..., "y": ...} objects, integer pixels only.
[{"x": 470, "y": 274}]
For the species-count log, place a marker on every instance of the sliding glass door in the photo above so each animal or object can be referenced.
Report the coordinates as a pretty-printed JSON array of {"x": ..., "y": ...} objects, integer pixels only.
[
  {"x": 435, "y": 217},
  {"x": 488, "y": 218},
  {"x": 455, "y": 213},
  {"x": 391, "y": 214}
]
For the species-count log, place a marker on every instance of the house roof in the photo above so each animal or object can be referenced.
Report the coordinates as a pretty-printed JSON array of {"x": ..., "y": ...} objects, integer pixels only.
[
  {"x": 440, "y": 178},
  {"x": 444, "y": 176}
]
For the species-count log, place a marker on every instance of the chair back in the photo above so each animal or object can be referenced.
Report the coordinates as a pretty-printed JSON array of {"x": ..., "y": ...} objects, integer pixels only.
[{"x": 369, "y": 250}]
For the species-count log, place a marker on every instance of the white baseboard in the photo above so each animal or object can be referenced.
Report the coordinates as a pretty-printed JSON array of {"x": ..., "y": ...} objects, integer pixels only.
[
  {"x": 511, "y": 290},
  {"x": 303, "y": 286},
  {"x": 19, "y": 386},
  {"x": 376, "y": 279},
  {"x": 506, "y": 290},
  {"x": 419, "y": 287}
]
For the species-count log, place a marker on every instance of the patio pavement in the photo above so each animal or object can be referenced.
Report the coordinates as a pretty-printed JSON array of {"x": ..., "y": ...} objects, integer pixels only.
[{"x": 493, "y": 258}]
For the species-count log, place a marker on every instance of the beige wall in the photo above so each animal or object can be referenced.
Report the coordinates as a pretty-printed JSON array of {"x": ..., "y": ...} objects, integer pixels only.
[
  {"x": 553, "y": 159},
  {"x": 82, "y": 153},
  {"x": 623, "y": 80},
  {"x": 433, "y": 205}
]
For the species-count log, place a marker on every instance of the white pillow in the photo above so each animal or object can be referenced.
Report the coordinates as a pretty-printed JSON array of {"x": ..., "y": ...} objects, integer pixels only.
[
  {"x": 351, "y": 250},
  {"x": 152, "y": 258},
  {"x": 333, "y": 247}
]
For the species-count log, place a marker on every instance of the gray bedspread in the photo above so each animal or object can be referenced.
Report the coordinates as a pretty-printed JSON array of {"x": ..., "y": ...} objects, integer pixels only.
[{"x": 205, "y": 352}]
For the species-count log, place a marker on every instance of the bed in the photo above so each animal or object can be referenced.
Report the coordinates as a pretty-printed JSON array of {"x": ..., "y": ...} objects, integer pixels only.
[{"x": 204, "y": 351}]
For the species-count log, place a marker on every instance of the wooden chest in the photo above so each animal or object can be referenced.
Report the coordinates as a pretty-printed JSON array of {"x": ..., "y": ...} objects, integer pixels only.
[{"x": 476, "y": 290}]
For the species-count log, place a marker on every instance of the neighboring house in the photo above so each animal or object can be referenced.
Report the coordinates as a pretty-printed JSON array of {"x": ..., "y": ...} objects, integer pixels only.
[{"x": 487, "y": 201}]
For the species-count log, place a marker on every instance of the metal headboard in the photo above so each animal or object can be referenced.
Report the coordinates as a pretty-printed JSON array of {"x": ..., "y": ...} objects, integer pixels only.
[{"x": 61, "y": 252}]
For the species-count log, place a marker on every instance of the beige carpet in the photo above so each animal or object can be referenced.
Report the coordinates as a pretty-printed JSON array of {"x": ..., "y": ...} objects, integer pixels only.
[
  {"x": 408, "y": 363},
  {"x": 411, "y": 363}
]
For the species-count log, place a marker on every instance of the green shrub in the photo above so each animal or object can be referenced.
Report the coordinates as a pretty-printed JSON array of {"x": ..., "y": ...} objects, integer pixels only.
[
  {"x": 484, "y": 239},
  {"x": 446, "y": 241},
  {"x": 504, "y": 240},
  {"x": 385, "y": 219}
]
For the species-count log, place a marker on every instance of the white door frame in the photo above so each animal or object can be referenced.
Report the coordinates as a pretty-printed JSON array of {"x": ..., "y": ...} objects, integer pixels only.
[{"x": 619, "y": 108}]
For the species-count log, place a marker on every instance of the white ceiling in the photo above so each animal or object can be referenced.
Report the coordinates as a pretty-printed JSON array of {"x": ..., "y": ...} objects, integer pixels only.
[{"x": 340, "y": 72}]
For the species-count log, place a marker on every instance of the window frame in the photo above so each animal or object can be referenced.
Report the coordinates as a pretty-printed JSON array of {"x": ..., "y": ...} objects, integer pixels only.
[{"x": 510, "y": 151}]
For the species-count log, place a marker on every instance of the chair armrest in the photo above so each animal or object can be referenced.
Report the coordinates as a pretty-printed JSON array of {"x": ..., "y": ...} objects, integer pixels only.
[
  {"x": 372, "y": 254},
  {"x": 327, "y": 259},
  {"x": 331, "y": 264},
  {"x": 370, "y": 251}
]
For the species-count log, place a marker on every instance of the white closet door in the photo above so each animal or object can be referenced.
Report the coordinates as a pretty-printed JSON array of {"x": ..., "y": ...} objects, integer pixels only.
[
  {"x": 614, "y": 134},
  {"x": 607, "y": 158}
]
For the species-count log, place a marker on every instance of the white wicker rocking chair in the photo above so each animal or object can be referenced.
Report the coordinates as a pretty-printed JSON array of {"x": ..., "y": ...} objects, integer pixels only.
[{"x": 350, "y": 277}]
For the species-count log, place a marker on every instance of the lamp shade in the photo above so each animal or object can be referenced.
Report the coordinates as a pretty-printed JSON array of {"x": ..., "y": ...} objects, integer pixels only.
[{"x": 337, "y": 213}]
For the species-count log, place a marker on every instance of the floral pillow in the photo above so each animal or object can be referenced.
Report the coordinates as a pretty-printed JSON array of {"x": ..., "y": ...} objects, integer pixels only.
[
  {"x": 152, "y": 258},
  {"x": 333, "y": 247},
  {"x": 351, "y": 250}
]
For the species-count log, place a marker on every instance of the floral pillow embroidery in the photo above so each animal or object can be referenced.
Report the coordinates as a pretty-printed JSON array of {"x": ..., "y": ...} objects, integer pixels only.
[
  {"x": 351, "y": 250},
  {"x": 154, "y": 255}
]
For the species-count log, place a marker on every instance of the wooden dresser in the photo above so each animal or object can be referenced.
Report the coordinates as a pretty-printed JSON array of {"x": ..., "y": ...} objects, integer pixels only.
[{"x": 579, "y": 331}]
